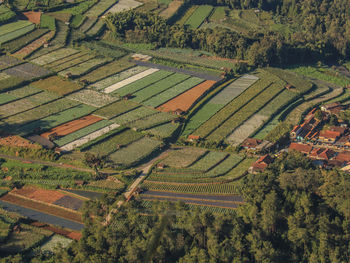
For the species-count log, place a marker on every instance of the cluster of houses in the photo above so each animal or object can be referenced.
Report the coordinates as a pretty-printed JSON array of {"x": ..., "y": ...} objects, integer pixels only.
[{"x": 326, "y": 145}]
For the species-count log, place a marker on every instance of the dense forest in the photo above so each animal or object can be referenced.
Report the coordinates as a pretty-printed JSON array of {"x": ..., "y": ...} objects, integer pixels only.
[
  {"x": 294, "y": 212},
  {"x": 323, "y": 32}
]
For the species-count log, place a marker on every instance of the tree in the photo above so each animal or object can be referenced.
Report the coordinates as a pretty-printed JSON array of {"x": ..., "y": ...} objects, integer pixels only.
[{"x": 95, "y": 162}]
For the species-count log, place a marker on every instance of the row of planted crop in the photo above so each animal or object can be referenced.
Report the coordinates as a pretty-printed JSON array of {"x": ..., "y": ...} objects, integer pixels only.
[{"x": 235, "y": 105}]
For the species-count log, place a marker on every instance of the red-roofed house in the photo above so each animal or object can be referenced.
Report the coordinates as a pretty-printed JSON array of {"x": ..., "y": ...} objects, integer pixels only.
[
  {"x": 251, "y": 143},
  {"x": 343, "y": 157},
  {"x": 303, "y": 148},
  {"x": 261, "y": 164}
]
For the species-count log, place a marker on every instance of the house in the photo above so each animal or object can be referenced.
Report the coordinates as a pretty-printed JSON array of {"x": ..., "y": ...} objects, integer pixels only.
[
  {"x": 193, "y": 138},
  {"x": 308, "y": 129},
  {"x": 331, "y": 135},
  {"x": 343, "y": 142},
  {"x": 326, "y": 155},
  {"x": 127, "y": 96},
  {"x": 261, "y": 164},
  {"x": 161, "y": 166},
  {"x": 178, "y": 112},
  {"x": 333, "y": 108},
  {"x": 343, "y": 157},
  {"x": 299, "y": 147},
  {"x": 251, "y": 143},
  {"x": 289, "y": 87}
]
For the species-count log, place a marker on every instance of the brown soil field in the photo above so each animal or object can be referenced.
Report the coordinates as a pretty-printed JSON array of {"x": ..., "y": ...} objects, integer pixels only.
[
  {"x": 47, "y": 196},
  {"x": 171, "y": 9},
  {"x": 72, "y": 126},
  {"x": 17, "y": 141},
  {"x": 33, "y": 17},
  {"x": 187, "y": 99},
  {"x": 25, "y": 51},
  {"x": 55, "y": 211},
  {"x": 57, "y": 85}
]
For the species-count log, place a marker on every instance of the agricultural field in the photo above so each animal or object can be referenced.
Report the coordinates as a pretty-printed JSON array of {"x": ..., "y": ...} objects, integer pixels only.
[
  {"x": 56, "y": 119},
  {"x": 159, "y": 87},
  {"x": 163, "y": 131},
  {"x": 82, "y": 132},
  {"x": 129, "y": 80},
  {"x": 6, "y": 14},
  {"x": 54, "y": 55},
  {"x": 18, "y": 43},
  {"x": 123, "y": 5},
  {"x": 115, "y": 109},
  {"x": 8, "y": 61},
  {"x": 34, "y": 45},
  {"x": 99, "y": 8},
  {"x": 114, "y": 142},
  {"x": 16, "y": 94},
  {"x": 27, "y": 103},
  {"x": 56, "y": 85},
  {"x": 135, "y": 152},
  {"x": 14, "y": 30},
  {"x": 324, "y": 74},
  {"x": 143, "y": 82},
  {"x": 199, "y": 16},
  {"x": 247, "y": 103},
  {"x": 70, "y": 127},
  {"x": 115, "y": 78},
  {"x": 187, "y": 99},
  {"x": 92, "y": 97},
  {"x": 84, "y": 67},
  {"x": 217, "y": 102},
  {"x": 103, "y": 72}
]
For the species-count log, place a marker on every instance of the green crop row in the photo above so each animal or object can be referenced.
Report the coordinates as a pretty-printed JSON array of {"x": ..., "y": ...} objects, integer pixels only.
[
  {"x": 234, "y": 106},
  {"x": 152, "y": 120},
  {"x": 116, "y": 109},
  {"x": 208, "y": 161},
  {"x": 134, "y": 115},
  {"x": 227, "y": 188},
  {"x": 111, "y": 144},
  {"x": 73, "y": 62},
  {"x": 15, "y": 33},
  {"x": 163, "y": 131},
  {"x": 22, "y": 41},
  {"x": 158, "y": 87},
  {"x": 135, "y": 151},
  {"x": 17, "y": 94},
  {"x": 174, "y": 91},
  {"x": 47, "y": 22},
  {"x": 245, "y": 112},
  {"x": 84, "y": 67},
  {"x": 42, "y": 111},
  {"x": 143, "y": 83},
  {"x": 82, "y": 132},
  {"x": 199, "y": 15},
  {"x": 57, "y": 119}
]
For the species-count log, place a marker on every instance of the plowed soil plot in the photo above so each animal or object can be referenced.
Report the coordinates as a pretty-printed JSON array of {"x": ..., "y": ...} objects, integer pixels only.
[
  {"x": 47, "y": 196},
  {"x": 72, "y": 126},
  {"x": 33, "y": 17},
  {"x": 226, "y": 198},
  {"x": 187, "y": 99},
  {"x": 18, "y": 141},
  {"x": 27, "y": 71},
  {"x": 25, "y": 51},
  {"x": 194, "y": 202},
  {"x": 69, "y": 202},
  {"x": 73, "y": 216}
]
